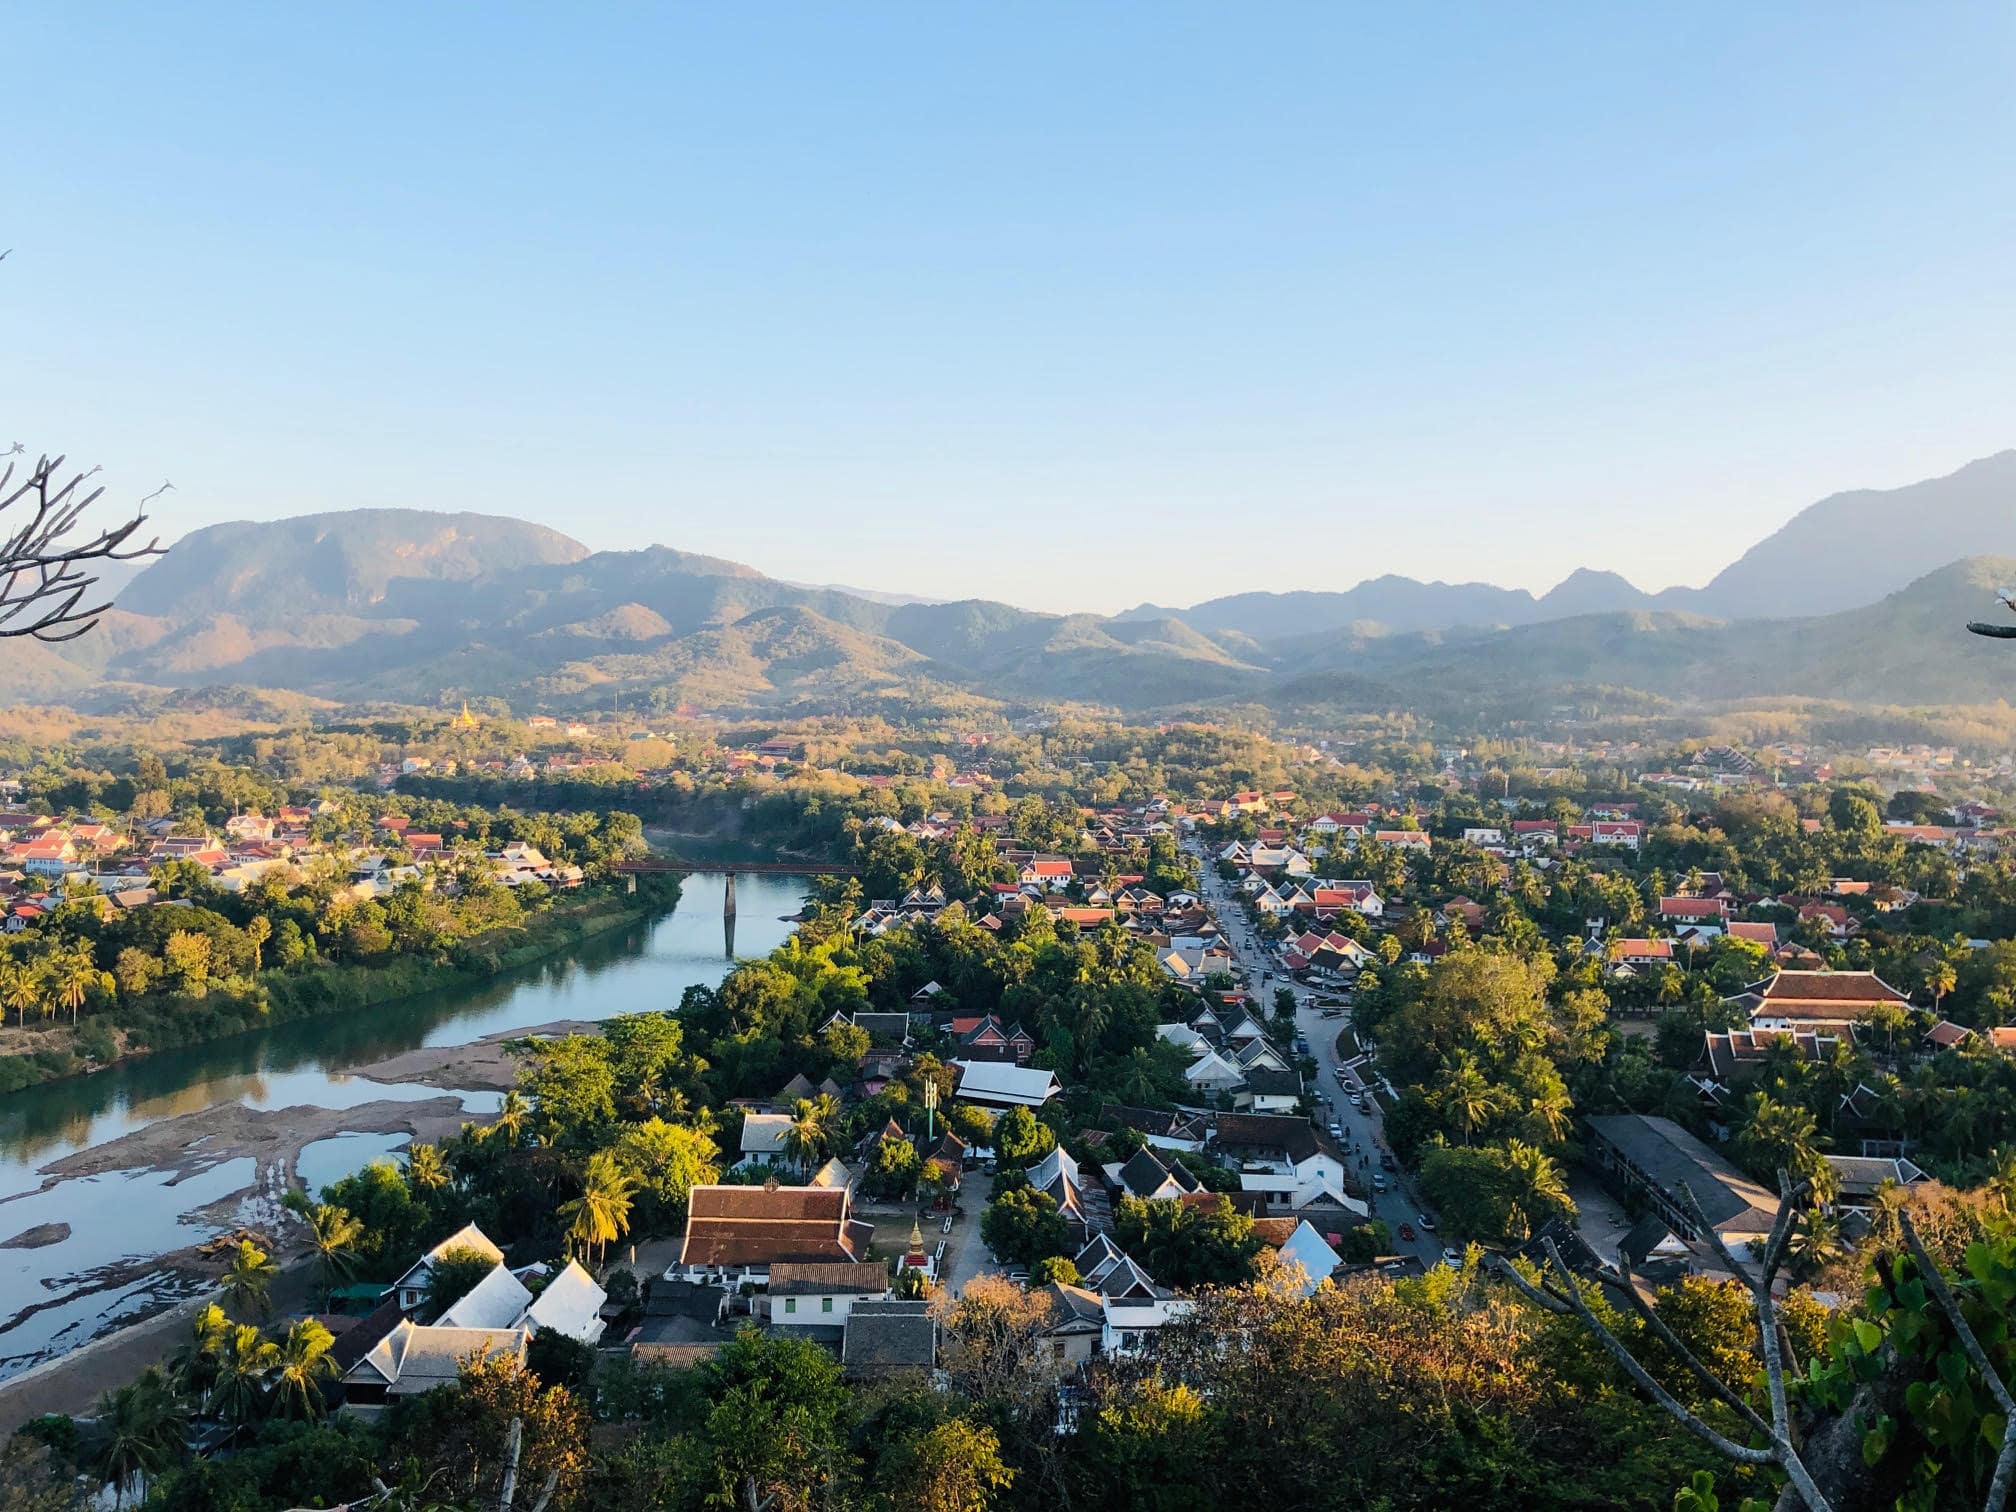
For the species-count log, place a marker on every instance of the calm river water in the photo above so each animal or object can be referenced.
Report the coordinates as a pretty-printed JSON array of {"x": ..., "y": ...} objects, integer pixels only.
[{"x": 50, "y": 1299}]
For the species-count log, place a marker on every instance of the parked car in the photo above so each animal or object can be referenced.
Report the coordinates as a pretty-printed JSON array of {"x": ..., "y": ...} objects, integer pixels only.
[
  {"x": 1386, "y": 1162},
  {"x": 1427, "y": 1224},
  {"x": 1451, "y": 1259},
  {"x": 1407, "y": 1231}
]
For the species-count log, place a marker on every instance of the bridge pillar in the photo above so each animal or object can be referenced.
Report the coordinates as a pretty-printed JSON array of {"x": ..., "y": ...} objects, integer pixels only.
[{"x": 728, "y": 898}]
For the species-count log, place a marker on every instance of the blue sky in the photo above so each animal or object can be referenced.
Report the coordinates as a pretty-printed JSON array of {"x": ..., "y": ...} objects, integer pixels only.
[{"x": 1069, "y": 305}]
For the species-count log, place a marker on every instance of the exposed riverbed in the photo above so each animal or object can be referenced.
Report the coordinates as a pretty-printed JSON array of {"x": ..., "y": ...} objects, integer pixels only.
[{"x": 114, "y": 1177}]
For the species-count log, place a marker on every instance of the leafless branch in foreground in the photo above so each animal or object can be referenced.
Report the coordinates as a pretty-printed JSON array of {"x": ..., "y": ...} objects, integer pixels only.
[
  {"x": 1564, "y": 1295},
  {"x": 46, "y": 563}
]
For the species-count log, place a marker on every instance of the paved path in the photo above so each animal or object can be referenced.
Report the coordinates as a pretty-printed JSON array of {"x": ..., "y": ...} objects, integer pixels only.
[{"x": 1363, "y": 1132}]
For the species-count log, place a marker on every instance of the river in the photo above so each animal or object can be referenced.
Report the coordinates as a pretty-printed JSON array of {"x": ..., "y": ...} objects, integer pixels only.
[{"x": 54, "y": 1298}]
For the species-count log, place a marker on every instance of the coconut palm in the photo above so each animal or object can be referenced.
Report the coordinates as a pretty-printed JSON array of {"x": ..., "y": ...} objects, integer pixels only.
[
  {"x": 75, "y": 976},
  {"x": 248, "y": 1280},
  {"x": 20, "y": 988},
  {"x": 195, "y": 1368},
  {"x": 1467, "y": 1098},
  {"x": 1781, "y": 1136},
  {"x": 1940, "y": 979},
  {"x": 243, "y": 1365},
  {"x": 1815, "y": 1242},
  {"x": 511, "y": 1116},
  {"x": 1534, "y": 1188},
  {"x": 142, "y": 1426},
  {"x": 809, "y": 1133},
  {"x": 425, "y": 1168},
  {"x": 1552, "y": 1112},
  {"x": 301, "y": 1363},
  {"x": 334, "y": 1232},
  {"x": 601, "y": 1214}
]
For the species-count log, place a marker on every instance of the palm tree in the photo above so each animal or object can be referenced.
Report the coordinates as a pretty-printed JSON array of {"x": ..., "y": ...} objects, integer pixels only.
[
  {"x": 425, "y": 1168},
  {"x": 1534, "y": 1187},
  {"x": 1467, "y": 1097},
  {"x": 196, "y": 1365},
  {"x": 258, "y": 930},
  {"x": 1940, "y": 979},
  {"x": 142, "y": 1426},
  {"x": 248, "y": 1280},
  {"x": 248, "y": 1357},
  {"x": 334, "y": 1234},
  {"x": 301, "y": 1364},
  {"x": 601, "y": 1214},
  {"x": 75, "y": 976},
  {"x": 1781, "y": 1136},
  {"x": 1816, "y": 1241},
  {"x": 511, "y": 1116},
  {"x": 20, "y": 988},
  {"x": 806, "y": 1139},
  {"x": 1552, "y": 1112}
]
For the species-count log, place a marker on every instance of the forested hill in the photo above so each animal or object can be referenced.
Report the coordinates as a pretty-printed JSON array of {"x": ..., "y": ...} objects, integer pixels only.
[{"x": 411, "y": 606}]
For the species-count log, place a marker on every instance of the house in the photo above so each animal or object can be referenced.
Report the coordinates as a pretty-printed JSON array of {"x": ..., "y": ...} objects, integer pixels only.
[
  {"x": 1757, "y": 934},
  {"x": 1638, "y": 954},
  {"x": 1308, "y": 1256},
  {"x": 1130, "y": 1324},
  {"x": 1213, "y": 1073},
  {"x": 1693, "y": 910},
  {"x": 411, "y": 1288},
  {"x": 1409, "y": 840},
  {"x": 1109, "y": 1271},
  {"x": 993, "y": 1084},
  {"x": 1077, "y": 1319},
  {"x": 1661, "y": 1162},
  {"x": 1832, "y": 918},
  {"x": 763, "y": 1135},
  {"x": 1057, "y": 1176},
  {"x": 1626, "y": 833},
  {"x": 736, "y": 1233},
  {"x": 822, "y": 1293},
  {"x": 1832, "y": 1001},
  {"x": 1164, "y": 1130},
  {"x": 414, "y": 1359},
  {"x": 1283, "y": 1158},
  {"x": 1047, "y": 873},
  {"x": 1728, "y": 1060},
  {"x": 1858, "y": 1178},
  {"x": 886, "y": 1337},
  {"x": 986, "y": 1038},
  {"x": 1147, "y": 1176}
]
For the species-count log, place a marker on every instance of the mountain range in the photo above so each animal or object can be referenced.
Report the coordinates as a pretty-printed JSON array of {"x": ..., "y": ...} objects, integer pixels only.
[
  {"x": 1859, "y": 597},
  {"x": 1847, "y": 550}
]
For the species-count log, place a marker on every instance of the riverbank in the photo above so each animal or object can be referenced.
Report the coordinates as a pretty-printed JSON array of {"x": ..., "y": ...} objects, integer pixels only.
[{"x": 32, "y": 1057}]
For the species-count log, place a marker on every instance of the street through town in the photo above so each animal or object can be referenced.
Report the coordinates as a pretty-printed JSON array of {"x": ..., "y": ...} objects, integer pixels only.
[{"x": 1363, "y": 1132}]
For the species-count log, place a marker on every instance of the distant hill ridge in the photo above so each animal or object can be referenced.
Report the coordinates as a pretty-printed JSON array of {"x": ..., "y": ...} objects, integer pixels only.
[{"x": 418, "y": 606}]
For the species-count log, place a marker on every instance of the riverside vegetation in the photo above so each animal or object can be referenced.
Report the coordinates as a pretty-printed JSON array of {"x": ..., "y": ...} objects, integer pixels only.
[{"x": 1447, "y": 1389}]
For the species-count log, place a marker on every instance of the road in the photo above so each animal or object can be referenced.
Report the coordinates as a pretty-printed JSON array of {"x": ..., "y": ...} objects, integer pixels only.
[{"x": 1362, "y": 1131}]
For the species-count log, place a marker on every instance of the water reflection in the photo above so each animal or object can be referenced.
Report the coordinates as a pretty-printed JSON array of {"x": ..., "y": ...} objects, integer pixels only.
[
  {"x": 627, "y": 971},
  {"x": 47, "y": 1298}
]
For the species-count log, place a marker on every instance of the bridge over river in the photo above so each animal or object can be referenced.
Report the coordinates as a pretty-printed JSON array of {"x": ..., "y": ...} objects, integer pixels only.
[{"x": 661, "y": 865}]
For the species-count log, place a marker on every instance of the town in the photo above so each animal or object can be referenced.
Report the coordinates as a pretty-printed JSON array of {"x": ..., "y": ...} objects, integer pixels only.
[{"x": 1037, "y": 1088}]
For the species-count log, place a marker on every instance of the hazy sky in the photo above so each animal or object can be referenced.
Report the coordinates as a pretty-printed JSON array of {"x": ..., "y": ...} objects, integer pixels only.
[{"x": 1072, "y": 305}]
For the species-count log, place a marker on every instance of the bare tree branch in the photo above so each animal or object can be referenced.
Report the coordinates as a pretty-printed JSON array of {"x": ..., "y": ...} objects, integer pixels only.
[{"x": 46, "y": 564}]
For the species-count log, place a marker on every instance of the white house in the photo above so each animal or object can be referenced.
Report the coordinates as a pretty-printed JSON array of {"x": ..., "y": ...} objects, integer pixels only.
[
  {"x": 1129, "y": 1324},
  {"x": 1307, "y": 1259},
  {"x": 1211, "y": 1072},
  {"x": 412, "y": 1287},
  {"x": 821, "y": 1294}
]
